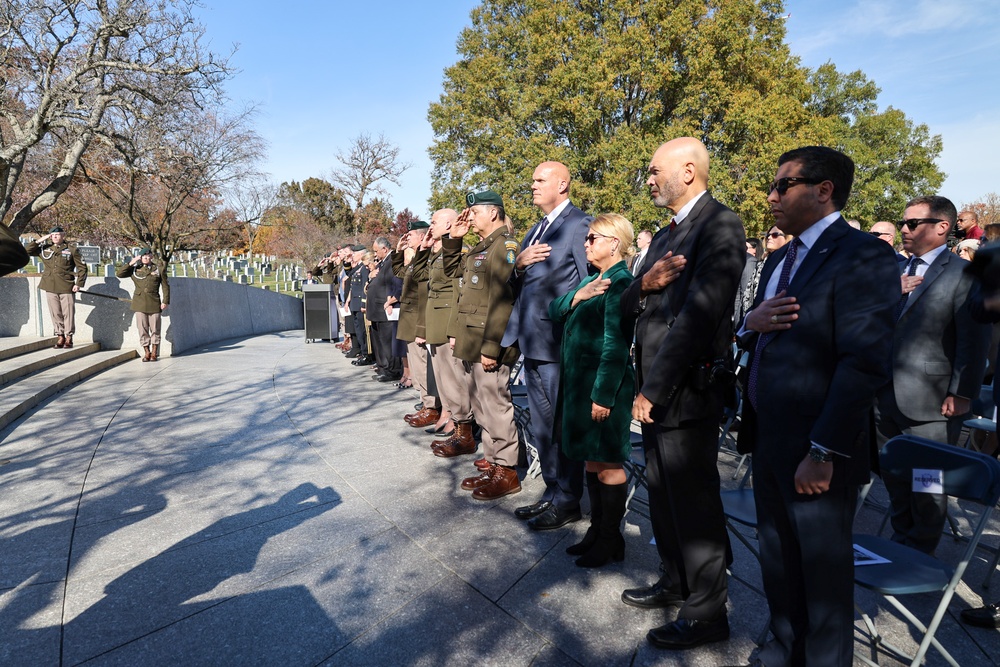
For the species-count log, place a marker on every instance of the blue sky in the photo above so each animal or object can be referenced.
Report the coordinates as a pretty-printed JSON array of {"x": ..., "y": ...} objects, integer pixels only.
[{"x": 324, "y": 71}]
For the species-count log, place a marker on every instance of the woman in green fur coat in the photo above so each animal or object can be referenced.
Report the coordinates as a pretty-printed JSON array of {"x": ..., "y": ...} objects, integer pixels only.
[{"x": 597, "y": 385}]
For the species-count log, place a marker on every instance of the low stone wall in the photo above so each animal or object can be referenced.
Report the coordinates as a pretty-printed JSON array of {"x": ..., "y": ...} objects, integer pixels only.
[{"x": 201, "y": 311}]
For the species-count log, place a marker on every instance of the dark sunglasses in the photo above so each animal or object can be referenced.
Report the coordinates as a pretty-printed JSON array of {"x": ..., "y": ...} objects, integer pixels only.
[
  {"x": 774, "y": 235},
  {"x": 913, "y": 223},
  {"x": 591, "y": 238},
  {"x": 782, "y": 184},
  {"x": 881, "y": 234}
]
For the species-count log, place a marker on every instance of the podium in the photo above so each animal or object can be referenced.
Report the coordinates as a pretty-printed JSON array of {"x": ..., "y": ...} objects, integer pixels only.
[{"x": 319, "y": 304}]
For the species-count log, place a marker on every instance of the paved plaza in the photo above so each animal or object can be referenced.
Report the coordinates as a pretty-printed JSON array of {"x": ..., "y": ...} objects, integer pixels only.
[{"x": 261, "y": 502}]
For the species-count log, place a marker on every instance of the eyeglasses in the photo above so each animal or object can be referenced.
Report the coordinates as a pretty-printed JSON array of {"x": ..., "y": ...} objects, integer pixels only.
[
  {"x": 782, "y": 184},
  {"x": 591, "y": 238},
  {"x": 913, "y": 223},
  {"x": 774, "y": 235},
  {"x": 881, "y": 234}
]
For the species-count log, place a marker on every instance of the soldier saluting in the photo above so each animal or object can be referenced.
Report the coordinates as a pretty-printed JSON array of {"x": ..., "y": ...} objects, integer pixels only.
[
  {"x": 146, "y": 303},
  {"x": 61, "y": 263}
]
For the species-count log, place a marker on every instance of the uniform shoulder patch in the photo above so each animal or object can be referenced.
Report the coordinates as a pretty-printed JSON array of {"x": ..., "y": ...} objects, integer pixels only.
[
  {"x": 511, "y": 245},
  {"x": 511, "y": 257}
]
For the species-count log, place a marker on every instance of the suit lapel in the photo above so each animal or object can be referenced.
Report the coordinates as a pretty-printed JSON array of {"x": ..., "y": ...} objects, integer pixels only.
[
  {"x": 932, "y": 274},
  {"x": 773, "y": 260},
  {"x": 822, "y": 250}
]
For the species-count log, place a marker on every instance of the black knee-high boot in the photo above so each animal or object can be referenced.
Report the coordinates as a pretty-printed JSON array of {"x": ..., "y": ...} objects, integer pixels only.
[
  {"x": 610, "y": 544},
  {"x": 594, "y": 491}
]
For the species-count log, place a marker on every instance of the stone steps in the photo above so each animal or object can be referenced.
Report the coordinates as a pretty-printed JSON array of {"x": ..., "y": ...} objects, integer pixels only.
[{"x": 31, "y": 371}]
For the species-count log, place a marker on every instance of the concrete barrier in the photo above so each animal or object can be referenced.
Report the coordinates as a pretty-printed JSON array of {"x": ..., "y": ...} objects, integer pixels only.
[{"x": 201, "y": 311}]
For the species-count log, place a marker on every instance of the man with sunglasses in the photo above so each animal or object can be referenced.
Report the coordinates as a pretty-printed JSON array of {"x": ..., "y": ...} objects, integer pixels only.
[
  {"x": 820, "y": 333},
  {"x": 886, "y": 231},
  {"x": 938, "y": 359}
]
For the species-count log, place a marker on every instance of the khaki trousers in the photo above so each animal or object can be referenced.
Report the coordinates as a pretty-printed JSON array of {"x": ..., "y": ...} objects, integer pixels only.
[
  {"x": 149, "y": 328},
  {"x": 416, "y": 355},
  {"x": 453, "y": 382},
  {"x": 494, "y": 411},
  {"x": 62, "y": 308}
]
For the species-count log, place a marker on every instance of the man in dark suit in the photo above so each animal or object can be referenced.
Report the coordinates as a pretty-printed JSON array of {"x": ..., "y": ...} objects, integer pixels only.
[
  {"x": 938, "y": 360},
  {"x": 360, "y": 343},
  {"x": 384, "y": 291},
  {"x": 552, "y": 262},
  {"x": 683, "y": 337},
  {"x": 820, "y": 331}
]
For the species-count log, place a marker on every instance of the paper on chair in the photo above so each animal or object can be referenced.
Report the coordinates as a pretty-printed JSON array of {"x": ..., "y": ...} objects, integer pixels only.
[
  {"x": 928, "y": 481},
  {"x": 864, "y": 557}
]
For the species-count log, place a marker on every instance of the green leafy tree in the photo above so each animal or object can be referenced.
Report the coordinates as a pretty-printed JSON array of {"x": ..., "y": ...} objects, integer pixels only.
[
  {"x": 320, "y": 199},
  {"x": 599, "y": 85}
]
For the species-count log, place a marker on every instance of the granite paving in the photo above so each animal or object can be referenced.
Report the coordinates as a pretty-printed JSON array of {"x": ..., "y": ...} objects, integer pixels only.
[{"x": 262, "y": 502}]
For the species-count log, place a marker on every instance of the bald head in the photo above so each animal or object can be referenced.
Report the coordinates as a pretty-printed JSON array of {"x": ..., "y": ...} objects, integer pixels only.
[
  {"x": 678, "y": 172},
  {"x": 441, "y": 221},
  {"x": 549, "y": 185},
  {"x": 885, "y": 231}
]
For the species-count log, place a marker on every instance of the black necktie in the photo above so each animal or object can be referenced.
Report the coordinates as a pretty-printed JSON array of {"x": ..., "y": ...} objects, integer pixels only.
[
  {"x": 914, "y": 264},
  {"x": 541, "y": 230}
]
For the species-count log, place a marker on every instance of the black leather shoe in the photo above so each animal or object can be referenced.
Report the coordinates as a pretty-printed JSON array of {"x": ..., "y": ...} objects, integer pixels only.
[
  {"x": 685, "y": 633},
  {"x": 652, "y": 597},
  {"x": 528, "y": 511},
  {"x": 387, "y": 378},
  {"x": 363, "y": 361},
  {"x": 982, "y": 617},
  {"x": 553, "y": 518}
]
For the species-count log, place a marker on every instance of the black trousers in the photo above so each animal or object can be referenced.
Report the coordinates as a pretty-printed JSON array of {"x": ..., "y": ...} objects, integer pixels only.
[
  {"x": 359, "y": 340},
  {"x": 382, "y": 342},
  {"x": 807, "y": 565},
  {"x": 687, "y": 515}
]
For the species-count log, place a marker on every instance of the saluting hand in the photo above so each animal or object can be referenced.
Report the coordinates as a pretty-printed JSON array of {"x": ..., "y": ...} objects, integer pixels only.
[{"x": 460, "y": 227}]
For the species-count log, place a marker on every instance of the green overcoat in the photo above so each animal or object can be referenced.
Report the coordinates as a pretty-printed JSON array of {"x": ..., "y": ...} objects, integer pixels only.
[
  {"x": 595, "y": 368},
  {"x": 148, "y": 280}
]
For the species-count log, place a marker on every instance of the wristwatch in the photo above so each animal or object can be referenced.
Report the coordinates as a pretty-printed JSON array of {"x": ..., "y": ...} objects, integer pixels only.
[{"x": 820, "y": 455}]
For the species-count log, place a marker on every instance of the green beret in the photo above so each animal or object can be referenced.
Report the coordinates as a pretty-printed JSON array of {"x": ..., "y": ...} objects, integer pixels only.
[
  {"x": 484, "y": 197},
  {"x": 145, "y": 251},
  {"x": 416, "y": 224},
  {"x": 358, "y": 248},
  {"x": 56, "y": 230}
]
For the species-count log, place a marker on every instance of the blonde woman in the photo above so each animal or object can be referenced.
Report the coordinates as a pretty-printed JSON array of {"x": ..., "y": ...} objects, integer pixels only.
[{"x": 598, "y": 384}]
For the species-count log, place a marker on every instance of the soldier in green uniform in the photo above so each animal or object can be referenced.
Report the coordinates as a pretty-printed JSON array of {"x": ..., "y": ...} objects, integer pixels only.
[
  {"x": 61, "y": 264},
  {"x": 12, "y": 254},
  {"x": 484, "y": 305},
  {"x": 452, "y": 377},
  {"x": 146, "y": 303},
  {"x": 412, "y": 321}
]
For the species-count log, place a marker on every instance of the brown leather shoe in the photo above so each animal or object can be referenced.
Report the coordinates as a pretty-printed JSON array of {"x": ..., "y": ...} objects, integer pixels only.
[
  {"x": 460, "y": 443},
  {"x": 430, "y": 416},
  {"x": 503, "y": 482},
  {"x": 476, "y": 481},
  {"x": 145, "y": 357},
  {"x": 483, "y": 464},
  {"x": 68, "y": 343},
  {"x": 448, "y": 439},
  {"x": 407, "y": 418},
  {"x": 154, "y": 352},
  {"x": 60, "y": 342}
]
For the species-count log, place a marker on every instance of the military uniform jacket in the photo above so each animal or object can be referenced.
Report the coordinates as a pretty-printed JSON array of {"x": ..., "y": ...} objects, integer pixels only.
[
  {"x": 12, "y": 254},
  {"x": 412, "y": 298},
  {"x": 441, "y": 311},
  {"x": 148, "y": 279},
  {"x": 326, "y": 275},
  {"x": 357, "y": 282},
  {"x": 60, "y": 262},
  {"x": 485, "y": 296}
]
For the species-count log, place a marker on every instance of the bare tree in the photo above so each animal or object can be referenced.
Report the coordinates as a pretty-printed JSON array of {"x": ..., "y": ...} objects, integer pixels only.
[
  {"x": 250, "y": 199},
  {"x": 169, "y": 171},
  {"x": 71, "y": 70},
  {"x": 367, "y": 166}
]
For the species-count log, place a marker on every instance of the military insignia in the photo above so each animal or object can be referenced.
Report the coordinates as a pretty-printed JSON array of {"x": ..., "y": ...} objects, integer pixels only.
[
  {"x": 67, "y": 252},
  {"x": 478, "y": 262},
  {"x": 481, "y": 255},
  {"x": 511, "y": 245},
  {"x": 475, "y": 280},
  {"x": 510, "y": 257},
  {"x": 461, "y": 282}
]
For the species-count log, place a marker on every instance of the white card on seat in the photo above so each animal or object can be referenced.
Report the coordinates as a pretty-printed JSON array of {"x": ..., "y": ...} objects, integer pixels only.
[{"x": 928, "y": 481}]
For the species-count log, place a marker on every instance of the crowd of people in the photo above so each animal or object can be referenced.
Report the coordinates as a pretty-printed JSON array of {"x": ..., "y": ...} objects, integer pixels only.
[
  {"x": 845, "y": 328},
  {"x": 854, "y": 337}
]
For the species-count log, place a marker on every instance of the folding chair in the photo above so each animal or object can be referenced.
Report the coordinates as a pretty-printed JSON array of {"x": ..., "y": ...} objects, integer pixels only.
[
  {"x": 986, "y": 416},
  {"x": 960, "y": 473}
]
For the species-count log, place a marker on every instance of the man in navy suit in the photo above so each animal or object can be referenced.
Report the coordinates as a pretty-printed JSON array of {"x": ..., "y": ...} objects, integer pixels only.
[
  {"x": 551, "y": 263},
  {"x": 938, "y": 360},
  {"x": 821, "y": 335},
  {"x": 684, "y": 334}
]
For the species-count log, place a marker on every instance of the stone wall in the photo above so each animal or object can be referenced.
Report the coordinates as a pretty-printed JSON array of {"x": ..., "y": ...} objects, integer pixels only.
[{"x": 201, "y": 311}]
